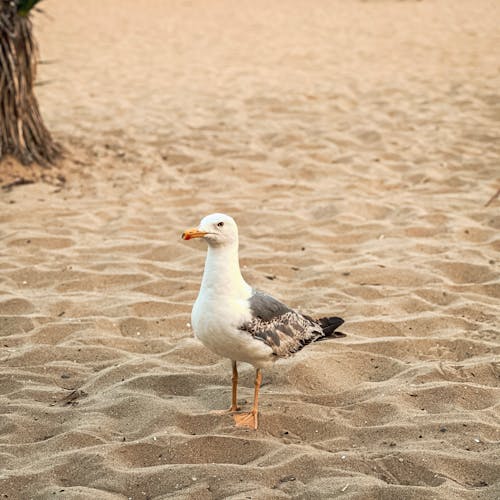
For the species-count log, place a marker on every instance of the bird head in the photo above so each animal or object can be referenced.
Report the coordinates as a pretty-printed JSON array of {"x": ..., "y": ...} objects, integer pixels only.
[{"x": 216, "y": 229}]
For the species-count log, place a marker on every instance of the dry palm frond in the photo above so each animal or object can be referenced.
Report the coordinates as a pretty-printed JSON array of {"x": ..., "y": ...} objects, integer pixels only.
[
  {"x": 22, "y": 131},
  {"x": 24, "y": 6}
]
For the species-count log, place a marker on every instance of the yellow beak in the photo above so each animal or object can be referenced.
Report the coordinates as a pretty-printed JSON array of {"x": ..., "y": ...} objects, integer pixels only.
[{"x": 192, "y": 233}]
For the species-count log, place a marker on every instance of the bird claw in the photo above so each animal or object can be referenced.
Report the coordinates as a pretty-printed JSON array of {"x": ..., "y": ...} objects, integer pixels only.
[
  {"x": 248, "y": 420},
  {"x": 225, "y": 412}
]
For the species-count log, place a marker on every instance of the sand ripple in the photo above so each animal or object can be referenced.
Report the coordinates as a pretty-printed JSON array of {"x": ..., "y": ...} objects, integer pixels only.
[{"x": 357, "y": 151}]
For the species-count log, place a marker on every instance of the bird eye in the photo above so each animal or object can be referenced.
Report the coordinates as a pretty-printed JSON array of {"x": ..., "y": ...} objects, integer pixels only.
[{"x": 220, "y": 224}]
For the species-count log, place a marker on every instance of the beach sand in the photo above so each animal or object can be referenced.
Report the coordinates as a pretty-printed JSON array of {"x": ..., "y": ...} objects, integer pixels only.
[{"x": 357, "y": 144}]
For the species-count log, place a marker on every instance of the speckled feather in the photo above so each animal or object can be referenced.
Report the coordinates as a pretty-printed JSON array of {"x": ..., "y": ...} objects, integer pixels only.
[{"x": 284, "y": 330}]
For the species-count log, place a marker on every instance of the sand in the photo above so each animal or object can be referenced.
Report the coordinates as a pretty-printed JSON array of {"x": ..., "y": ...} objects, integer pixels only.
[{"x": 357, "y": 144}]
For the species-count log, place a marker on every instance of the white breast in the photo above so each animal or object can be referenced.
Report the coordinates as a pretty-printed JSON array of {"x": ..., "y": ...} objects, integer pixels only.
[
  {"x": 222, "y": 307},
  {"x": 215, "y": 321}
]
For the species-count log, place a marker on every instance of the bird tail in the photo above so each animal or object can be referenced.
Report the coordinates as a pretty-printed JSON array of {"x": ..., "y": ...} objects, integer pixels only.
[{"x": 329, "y": 326}]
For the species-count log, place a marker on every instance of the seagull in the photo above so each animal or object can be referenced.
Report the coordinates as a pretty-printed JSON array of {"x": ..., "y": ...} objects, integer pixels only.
[{"x": 241, "y": 323}]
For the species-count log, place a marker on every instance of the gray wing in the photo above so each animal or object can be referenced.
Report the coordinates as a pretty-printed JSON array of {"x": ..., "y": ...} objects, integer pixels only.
[{"x": 286, "y": 331}]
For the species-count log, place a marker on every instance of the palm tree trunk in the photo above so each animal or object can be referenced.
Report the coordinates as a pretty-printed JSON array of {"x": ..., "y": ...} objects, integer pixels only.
[{"x": 22, "y": 131}]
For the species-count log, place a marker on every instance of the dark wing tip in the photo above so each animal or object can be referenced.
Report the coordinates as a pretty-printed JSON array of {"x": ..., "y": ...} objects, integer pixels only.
[
  {"x": 335, "y": 335},
  {"x": 329, "y": 325}
]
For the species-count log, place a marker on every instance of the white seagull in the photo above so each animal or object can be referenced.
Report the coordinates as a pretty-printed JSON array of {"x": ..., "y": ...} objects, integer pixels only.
[{"x": 238, "y": 322}]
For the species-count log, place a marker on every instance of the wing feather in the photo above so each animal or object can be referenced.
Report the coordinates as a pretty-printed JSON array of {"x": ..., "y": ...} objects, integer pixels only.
[{"x": 284, "y": 330}]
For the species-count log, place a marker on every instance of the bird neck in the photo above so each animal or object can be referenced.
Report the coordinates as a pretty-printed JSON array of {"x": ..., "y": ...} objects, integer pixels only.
[{"x": 222, "y": 273}]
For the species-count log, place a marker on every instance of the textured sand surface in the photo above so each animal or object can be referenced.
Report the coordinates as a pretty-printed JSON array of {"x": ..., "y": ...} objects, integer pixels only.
[{"x": 356, "y": 144}]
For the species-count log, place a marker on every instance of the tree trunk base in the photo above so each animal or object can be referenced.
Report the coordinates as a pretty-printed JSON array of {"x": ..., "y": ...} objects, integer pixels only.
[{"x": 22, "y": 131}]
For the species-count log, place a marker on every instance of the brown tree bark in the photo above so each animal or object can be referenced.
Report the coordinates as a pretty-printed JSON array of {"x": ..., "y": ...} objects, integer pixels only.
[{"x": 22, "y": 131}]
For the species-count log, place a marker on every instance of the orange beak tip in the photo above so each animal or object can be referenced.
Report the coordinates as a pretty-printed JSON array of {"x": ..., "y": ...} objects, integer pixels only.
[{"x": 192, "y": 233}]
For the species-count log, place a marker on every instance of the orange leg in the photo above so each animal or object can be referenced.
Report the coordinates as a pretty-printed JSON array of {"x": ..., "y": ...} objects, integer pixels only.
[
  {"x": 234, "y": 398},
  {"x": 250, "y": 419}
]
